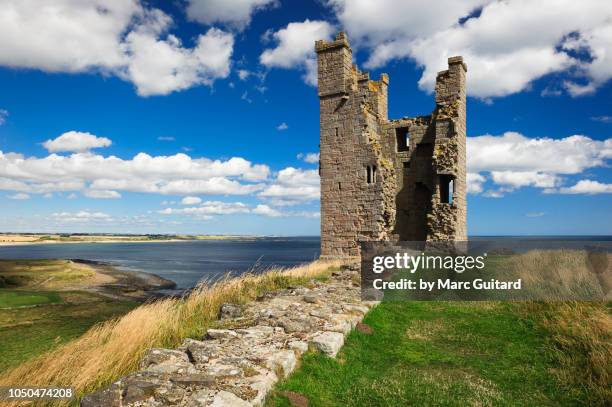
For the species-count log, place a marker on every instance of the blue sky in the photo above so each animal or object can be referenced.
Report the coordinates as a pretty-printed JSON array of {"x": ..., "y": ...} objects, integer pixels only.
[{"x": 200, "y": 116}]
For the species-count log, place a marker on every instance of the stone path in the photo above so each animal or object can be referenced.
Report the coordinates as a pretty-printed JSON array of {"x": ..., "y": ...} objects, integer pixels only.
[{"x": 238, "y": 367}]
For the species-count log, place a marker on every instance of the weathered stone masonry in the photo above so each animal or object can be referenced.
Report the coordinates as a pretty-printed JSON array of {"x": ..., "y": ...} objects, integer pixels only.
[
  {"x": 238, "y": 367},
  {"x": 387, "y": 179}
]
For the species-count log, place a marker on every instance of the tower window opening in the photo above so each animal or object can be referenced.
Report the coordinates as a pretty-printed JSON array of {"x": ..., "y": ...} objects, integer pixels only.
[
  {"x": 370, "y": 174},
  {"x": 403, "y": 139},
  {"x": 447, "y": 188}
]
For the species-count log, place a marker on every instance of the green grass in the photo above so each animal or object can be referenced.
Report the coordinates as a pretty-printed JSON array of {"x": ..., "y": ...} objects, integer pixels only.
[
  {"x": 436, "y": 354},
  {"x": 14, "y": 299},
  {"x": 30, "y": 331}
]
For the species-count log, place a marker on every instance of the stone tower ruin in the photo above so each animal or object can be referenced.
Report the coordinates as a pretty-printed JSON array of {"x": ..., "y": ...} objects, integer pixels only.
[{"x": 384, "y": 179}]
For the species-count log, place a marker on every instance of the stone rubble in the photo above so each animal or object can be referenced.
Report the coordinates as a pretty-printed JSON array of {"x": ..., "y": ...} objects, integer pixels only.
[{"x": 238, "y": 367}]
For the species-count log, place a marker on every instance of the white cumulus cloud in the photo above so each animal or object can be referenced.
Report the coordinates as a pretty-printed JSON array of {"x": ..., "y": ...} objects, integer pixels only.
[
  {"x": 209, "y": 208},
  {"x": 310, "y": 158},
  {"x": 513, "y": 160},
  {"x": 101, "y": 194},
  {"x": 191, "y": 200},
  {"x": 507, "y": 44},
  {"x": 515, "y": 152},
  {"x": 81, "y": 216},
  {"x": 294, "y": 184},
  {"x": 295, "y": 47},
  {"x": 76, "y": 141},
  {"x": 584, "y": 186},
  {"x": 267, "y": 211},
  {"x": 126, "y": 38},
  {"x": 103, "y": 176},
  {"x": 236, "y": 13},
  {"x": 475, "y": 183}
]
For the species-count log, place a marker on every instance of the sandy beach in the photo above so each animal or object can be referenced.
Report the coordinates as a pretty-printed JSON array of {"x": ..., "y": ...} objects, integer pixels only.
[{"x": 30, "y": 239}]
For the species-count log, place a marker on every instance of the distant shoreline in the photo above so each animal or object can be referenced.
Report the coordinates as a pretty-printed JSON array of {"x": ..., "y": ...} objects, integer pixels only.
[
  {"x": 127, "y": 285},
  {"x": 35, "y": 239}
]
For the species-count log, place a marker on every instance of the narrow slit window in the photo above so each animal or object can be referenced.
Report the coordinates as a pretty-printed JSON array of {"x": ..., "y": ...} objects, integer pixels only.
[
  {"x": 447, "y": 186},
  {"x": 336, "y": 132},
  {"x": 368, "y": 174}
]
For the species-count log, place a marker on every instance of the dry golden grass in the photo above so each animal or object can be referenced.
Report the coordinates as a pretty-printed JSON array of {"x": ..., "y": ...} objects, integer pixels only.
[
  {"x": 556, "y": 274},
  {"x": 114, "y": 348},
  {"x": 580, "y": 332}
]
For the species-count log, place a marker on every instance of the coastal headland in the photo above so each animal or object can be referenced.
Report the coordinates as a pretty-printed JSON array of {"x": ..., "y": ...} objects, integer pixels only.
[{"x": 45, "y": 303}]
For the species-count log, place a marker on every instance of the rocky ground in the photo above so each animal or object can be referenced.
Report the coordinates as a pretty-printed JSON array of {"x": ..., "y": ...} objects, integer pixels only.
[
  {"x": 124, "y": 285},
  {"x": 255, "y": 345}
]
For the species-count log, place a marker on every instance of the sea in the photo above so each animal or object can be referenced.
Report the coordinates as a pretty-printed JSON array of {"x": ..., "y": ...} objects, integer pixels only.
[
  {"x": 184, "y": 262},
  {"x": 189, "y": 262}
]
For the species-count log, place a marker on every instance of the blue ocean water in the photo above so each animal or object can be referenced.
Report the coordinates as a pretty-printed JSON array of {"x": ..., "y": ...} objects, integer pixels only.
[
  {"x": 185, "y": 262},
  {"x": 188, "y": 262}
]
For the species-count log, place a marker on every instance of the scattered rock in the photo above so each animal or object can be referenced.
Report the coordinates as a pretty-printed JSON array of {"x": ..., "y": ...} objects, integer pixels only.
[
  {"x": 361, "y": 309},
  {"x": 156, "y": 356},
  {"x": 172, "y": 367},
  {"x": 199, "y": 352},
  {"x": 283, "y": 362},
  {"x": 223, "y": 371},
  {"x": 200, "y": 398},
  {"x": 311, "y": 299},
  {"x": 343, "y": 327},
  {"x": 221, "y": 334},
  {"x": 259, "y": 331},
  {"x": 196, "y": 379},
  {"x": 364, "y": 328},
  {"x": 230, "y": 311},
  {"x": 227, "y": 399},
  {"x": 299, "y": 346},
  {"x": 293, "y": 325},
  {"x": 138, "y": 390},
  {"x": 328, "y": 342},
  {"x": 110, "y": 397},
  {"x": 169, "y": 394}
]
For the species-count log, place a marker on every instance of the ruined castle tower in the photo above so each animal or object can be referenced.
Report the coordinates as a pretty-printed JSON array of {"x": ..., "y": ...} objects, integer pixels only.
[{"x": 387, "y": 179}]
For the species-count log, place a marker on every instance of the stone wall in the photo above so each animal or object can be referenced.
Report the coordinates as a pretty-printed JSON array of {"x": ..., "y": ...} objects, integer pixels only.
[
  {"x": 238, "y": 363},
  {"x": 371, "y": 187}
]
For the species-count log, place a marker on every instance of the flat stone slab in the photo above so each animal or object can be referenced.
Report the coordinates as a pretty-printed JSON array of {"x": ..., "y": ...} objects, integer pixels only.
[{"x": 329, "y": 343}]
